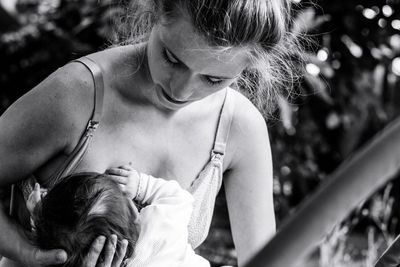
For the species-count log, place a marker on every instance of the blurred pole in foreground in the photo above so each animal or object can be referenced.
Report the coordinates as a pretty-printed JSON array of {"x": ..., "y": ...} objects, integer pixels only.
[{"x": 356, "y": 179}]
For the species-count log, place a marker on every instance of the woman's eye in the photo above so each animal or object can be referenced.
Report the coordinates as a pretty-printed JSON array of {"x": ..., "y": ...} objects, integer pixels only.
[
  {"x": 213, "y": 81},
  {"x": 169, "y": 57}
]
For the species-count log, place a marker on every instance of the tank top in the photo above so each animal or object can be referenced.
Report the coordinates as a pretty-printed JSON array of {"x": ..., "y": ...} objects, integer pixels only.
[{"x": 204, "y": 188}]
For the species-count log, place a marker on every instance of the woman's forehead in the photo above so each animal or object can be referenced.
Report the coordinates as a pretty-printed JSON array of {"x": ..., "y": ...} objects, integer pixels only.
[{"x": 181, "y": 39}]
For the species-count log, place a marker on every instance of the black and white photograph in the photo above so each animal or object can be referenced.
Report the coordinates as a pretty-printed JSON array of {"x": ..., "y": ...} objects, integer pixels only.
[{"x": 199, "y": 133}]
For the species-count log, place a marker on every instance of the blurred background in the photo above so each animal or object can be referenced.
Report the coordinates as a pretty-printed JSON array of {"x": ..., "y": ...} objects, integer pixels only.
[{"x": 348, "y": 94}]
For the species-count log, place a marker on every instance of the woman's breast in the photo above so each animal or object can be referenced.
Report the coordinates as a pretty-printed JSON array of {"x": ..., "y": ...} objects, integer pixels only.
[{"x": 172, "y": 157}]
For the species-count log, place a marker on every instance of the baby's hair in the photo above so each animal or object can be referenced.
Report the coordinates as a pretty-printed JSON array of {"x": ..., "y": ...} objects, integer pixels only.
[
  {"x": 261, "y": 26},
  {"x": 79, "y": 209}
]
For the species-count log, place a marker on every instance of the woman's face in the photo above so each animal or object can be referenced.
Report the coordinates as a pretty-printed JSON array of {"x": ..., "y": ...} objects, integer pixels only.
[{"x": 184, "y": 68}]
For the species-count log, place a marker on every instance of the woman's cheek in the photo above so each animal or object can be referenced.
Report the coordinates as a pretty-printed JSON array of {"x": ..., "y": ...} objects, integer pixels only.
[
  {"x": 163, "y": 72},
  {"x": 158, "y": 70}
]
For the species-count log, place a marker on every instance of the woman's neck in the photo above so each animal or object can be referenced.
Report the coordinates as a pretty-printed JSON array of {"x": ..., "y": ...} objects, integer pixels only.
[
  {"x": 143, "y": 68},
  {"x": 138, "y": 84}
]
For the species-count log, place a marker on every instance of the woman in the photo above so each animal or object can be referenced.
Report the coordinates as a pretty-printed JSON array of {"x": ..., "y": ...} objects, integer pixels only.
[{"x": 167, "y": 104}]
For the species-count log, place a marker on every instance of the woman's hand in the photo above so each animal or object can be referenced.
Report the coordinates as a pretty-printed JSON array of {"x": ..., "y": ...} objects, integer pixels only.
[
  {"x": 41, "y": 258},
  {"x": 111, "y": 258},
  {"x": 127, "y": 178}
]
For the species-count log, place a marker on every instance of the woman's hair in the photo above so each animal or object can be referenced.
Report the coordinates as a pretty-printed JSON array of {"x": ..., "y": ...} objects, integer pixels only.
[
  {"x": 79, "y": 209},
  {"x": 262, "y": 26}
]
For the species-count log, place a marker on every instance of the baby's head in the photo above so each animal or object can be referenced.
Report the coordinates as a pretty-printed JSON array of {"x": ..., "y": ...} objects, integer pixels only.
[{"x": 79, "y": 209}]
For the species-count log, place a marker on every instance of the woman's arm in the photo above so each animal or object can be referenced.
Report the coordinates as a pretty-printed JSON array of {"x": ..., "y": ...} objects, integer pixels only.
[
  {"x": 248, "y": 181},
  {"x": 39, "y": 126}
]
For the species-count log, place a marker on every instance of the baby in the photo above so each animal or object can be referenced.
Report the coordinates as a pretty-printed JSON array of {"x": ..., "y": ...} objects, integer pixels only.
[{"x": 85, "y": 205}]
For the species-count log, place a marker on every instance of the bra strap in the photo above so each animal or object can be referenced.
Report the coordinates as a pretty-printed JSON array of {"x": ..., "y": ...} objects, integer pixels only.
[
  {"x": 224, "y": 124},
  {"x": 79, "y": 151},
  {"x": 98, "y": 86}
]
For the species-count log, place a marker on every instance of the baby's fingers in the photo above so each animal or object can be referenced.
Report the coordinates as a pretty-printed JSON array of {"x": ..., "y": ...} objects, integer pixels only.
[
  {"x": 119, "y": 179},
  {"x": 127, "y": 167},
  {"x": 118, "y": 172}
]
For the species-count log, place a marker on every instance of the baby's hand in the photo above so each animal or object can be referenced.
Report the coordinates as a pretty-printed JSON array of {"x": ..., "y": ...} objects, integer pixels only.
[{"x": 127, "y": 178}]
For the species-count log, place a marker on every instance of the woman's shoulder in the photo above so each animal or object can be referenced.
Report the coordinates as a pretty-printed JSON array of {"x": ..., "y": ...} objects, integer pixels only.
[
  {"x": 246, "y": 114},
  {"x": 68, "y": 91},
  {"x": 248, "y": 129},
  {"x": 57, "y": 107}
]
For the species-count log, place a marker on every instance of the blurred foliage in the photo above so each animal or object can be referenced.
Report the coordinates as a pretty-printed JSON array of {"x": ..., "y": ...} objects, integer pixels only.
[
  {"x": 52, "y": 32},
  {"x": 347, "y": 95}
]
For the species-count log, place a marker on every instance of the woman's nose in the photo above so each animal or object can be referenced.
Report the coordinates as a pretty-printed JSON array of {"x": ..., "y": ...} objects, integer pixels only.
[{"x": 182, "y": 86}]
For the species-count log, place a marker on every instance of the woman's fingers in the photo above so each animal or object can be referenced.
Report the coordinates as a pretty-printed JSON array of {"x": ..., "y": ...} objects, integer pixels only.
[
  {"x": 109, "y": 251},
  {"x": 111, "y": 259},
  {"x": 121, "y": 254},
  {"x": 50, "y": 257},
  {"x": 94, "y": 252}
]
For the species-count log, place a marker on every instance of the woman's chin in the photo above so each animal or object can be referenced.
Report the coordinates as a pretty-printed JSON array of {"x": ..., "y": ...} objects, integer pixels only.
[{"x": 167, "y": 102}]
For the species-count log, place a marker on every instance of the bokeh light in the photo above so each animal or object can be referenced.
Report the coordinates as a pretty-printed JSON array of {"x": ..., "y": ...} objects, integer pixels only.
[
  {"x": 354, "y": 48},
  {"x": 322, "y": 55},
  {"x": 382, "y": 23},
  {"x": 313, "y": 69},
  {"x": 369, "y": 13},
  {"x": 394, "y": 41},
  {"x": 396, "y": 66},
  {"x": 396, "y": 24},
  {"x": 387, "y": 10}
]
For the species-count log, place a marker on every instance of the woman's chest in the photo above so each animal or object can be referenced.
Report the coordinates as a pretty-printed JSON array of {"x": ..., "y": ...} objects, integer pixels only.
[
  {"x": 177, "y": 152},
  {"x": 171, "y": 147}
]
